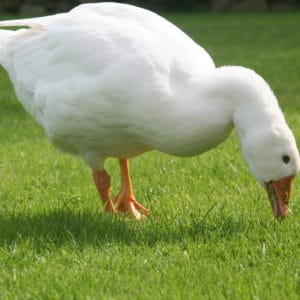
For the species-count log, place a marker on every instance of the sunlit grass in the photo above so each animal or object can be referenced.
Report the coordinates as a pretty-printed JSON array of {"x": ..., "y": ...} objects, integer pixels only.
[{"x": 210, "y": 233}]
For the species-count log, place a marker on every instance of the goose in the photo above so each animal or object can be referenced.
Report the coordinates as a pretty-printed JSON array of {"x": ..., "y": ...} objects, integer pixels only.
[{"x": 115, "y": 80}]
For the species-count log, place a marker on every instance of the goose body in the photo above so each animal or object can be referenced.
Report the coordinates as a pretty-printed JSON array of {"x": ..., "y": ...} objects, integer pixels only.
[{"x": 114, "y": 80}]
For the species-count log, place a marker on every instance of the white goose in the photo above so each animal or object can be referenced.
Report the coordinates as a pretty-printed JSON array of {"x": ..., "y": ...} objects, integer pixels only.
[{"x": 114, "y": 80}]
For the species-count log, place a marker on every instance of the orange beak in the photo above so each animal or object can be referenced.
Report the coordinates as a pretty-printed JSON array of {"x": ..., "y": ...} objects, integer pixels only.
[{"x": 279, "y": 192}]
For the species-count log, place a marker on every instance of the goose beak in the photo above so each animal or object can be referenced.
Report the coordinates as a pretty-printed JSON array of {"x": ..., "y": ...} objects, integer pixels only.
[{"x": 279, "y": 192}]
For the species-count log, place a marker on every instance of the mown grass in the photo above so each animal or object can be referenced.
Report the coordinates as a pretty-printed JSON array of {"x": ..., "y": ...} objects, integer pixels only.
[{"x": 210, "y": 234}]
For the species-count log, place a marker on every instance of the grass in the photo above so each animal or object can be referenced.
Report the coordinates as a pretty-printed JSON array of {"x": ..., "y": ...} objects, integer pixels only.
[{"x": 210, "y": 234}]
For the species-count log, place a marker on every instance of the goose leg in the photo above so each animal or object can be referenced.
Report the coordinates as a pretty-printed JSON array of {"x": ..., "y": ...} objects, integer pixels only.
[
  {"x": 125, "y": 201},
  {"x": 102, "y": 182}
]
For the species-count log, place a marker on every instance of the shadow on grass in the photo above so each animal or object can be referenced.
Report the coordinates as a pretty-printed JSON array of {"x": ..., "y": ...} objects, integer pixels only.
[{"x": 62, "y": 227}]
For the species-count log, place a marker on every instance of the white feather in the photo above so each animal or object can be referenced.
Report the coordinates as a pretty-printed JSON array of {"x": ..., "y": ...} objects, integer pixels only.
[{"x": 114, "y": 80}]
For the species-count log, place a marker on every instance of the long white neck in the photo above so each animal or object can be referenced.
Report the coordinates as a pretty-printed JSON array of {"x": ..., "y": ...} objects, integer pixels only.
[
  {"x": 260, "y": 124},
  {"x": 210, "y": 104},
  {"x": 254, "y": 104}
]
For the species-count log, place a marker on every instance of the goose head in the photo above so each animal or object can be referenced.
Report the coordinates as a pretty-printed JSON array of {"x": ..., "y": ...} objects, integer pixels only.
[
  {"x": 273, "y": 159},
  {"x": 268, "y": 144}
]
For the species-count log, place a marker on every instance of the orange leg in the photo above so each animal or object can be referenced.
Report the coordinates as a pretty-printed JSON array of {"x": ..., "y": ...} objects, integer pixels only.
[
  {"x": 125, "y": 201},
  {"x": 102, "y": 182}
]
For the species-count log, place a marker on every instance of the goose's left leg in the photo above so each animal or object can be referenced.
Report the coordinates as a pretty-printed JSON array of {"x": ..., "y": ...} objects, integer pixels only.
[{"x": 125, "y": 201}]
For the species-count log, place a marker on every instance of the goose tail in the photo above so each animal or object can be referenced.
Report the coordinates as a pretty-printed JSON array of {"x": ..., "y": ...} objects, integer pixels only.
[
  {"x": 5, "y": 36},
  {"x": 27, "y": 26}
]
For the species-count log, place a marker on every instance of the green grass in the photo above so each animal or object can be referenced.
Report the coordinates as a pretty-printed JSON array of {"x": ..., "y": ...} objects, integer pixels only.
[{"x": 210, "y": 234}]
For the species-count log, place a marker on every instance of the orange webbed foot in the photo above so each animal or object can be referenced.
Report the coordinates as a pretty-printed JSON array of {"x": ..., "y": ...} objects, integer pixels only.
[
  {"x": 128, "y": 205},
  {"x": 125, "y": 201}
]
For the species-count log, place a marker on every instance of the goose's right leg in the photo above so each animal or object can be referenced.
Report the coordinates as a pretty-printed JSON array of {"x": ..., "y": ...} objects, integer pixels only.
[
  {"x": 102, "y": 182},
  {"x": 101, "y": 179}
]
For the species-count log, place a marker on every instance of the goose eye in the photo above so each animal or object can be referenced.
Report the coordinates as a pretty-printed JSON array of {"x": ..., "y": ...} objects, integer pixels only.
[{"x": 285, "y": 159}]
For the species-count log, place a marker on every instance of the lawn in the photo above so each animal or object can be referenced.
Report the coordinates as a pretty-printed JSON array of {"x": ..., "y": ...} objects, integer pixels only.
[{"x": 210, "y": 235}]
